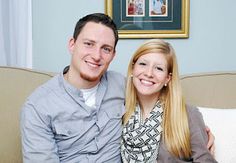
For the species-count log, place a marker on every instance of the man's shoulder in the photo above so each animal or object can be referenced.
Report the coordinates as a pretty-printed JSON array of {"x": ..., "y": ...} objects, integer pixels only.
[
  {"x": 115, "y": 78},
  {"x": 44, "y": 90},
  {"x": 115, "y": 75},
  {"x": 115, "y": 81}
]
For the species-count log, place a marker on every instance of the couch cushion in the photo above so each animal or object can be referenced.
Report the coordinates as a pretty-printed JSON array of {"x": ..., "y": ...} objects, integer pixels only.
[
  {"x": 216, "y": 90},
  {"x": 222, "y": 124},
  {"x": 15, "y": 85}
]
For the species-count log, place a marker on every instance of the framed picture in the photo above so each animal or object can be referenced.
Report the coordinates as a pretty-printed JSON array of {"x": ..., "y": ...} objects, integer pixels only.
[{"x": 150, "y": 18}]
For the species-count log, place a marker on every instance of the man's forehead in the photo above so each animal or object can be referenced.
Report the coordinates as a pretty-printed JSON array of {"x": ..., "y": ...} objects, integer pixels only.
[{"x": 98, "y": 33}]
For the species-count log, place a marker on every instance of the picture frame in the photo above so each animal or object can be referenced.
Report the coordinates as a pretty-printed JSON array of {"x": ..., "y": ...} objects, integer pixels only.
[{"x": 150, "y": 18}]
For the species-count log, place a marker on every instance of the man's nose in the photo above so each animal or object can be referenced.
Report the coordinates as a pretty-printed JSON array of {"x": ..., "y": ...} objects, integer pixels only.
[{"x": 97, "y": 54}]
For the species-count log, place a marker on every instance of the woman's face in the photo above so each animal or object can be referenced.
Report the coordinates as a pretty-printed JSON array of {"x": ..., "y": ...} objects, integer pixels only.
[{"x": 150, "y": 74}]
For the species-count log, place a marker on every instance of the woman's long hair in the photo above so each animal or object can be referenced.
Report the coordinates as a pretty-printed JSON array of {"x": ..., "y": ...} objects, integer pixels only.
[{"x": 175, "y": 125}]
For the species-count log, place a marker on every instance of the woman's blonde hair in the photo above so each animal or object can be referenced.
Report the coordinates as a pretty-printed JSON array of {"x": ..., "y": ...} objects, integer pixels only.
[{"x": 176, "y": 132}]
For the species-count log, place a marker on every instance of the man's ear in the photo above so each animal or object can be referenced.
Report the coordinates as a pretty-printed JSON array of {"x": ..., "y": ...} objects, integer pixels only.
[{"x": 71, "y": 45}]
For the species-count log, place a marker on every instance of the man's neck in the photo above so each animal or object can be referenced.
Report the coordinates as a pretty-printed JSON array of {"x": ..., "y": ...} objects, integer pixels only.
[{"x": 78, "y": 82}]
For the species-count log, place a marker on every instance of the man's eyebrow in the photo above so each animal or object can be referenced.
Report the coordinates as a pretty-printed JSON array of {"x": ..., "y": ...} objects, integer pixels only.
[
  {"x": 109, "y": 46},
  {"x": 86, "y": 39}
]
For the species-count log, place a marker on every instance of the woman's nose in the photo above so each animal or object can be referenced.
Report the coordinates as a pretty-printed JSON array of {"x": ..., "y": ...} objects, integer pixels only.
[{"x": 149, "y": 72}]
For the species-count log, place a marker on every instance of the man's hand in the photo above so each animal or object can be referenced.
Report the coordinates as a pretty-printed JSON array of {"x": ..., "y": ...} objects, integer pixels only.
[{"x": 211, "y": 139}]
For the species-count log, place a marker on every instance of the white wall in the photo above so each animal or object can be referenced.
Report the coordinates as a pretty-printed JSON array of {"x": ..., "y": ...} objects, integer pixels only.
[{"x": 210, "y": 46}]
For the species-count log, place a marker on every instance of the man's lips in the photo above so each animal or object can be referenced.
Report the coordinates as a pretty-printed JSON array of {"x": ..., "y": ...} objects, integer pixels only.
[{"x": 93, "y": 64}]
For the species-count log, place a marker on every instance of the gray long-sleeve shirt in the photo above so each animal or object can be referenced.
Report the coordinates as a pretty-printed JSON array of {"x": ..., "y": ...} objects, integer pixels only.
[{"x": 57, "y": 126}]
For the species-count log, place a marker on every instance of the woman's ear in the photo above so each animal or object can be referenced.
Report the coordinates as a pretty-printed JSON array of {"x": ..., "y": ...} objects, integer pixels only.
[{"x": 168, "y": 78}]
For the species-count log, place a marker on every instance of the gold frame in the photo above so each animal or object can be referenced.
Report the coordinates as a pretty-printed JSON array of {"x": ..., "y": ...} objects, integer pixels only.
[{"x": 182, "y": 33}]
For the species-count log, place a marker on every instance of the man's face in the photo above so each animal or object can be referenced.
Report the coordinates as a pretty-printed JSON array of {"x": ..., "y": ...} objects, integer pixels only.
[{"x": 92, "y": 52}]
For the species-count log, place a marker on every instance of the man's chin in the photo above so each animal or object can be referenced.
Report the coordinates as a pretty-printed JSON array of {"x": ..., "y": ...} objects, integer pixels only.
[{"x": 90, "y": 78}]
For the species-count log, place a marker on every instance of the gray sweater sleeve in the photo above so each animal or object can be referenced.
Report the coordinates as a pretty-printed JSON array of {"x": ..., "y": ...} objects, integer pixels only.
[{"x": 199, "y": 137}]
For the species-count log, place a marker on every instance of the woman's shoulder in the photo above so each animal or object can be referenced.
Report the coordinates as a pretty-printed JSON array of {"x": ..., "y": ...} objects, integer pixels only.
[
  {"x": 192, "y": 110},
  {"x": 194, "y": 116}
]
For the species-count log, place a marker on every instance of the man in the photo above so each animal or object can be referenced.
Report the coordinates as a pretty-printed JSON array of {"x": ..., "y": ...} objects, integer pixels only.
[{"x": 76, "y": 116}]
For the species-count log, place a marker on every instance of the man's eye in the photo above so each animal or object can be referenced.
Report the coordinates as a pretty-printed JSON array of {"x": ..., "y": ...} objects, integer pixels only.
[
  {"x": 88, "y": 43},
  {"x": 107, "y": 50}
]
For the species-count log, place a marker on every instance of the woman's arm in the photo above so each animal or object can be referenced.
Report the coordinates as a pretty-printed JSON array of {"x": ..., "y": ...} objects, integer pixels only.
[{"x": 201, "y": 140}]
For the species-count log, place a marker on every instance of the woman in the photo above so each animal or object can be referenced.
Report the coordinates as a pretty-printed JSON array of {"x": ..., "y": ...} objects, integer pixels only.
[{"x": 158, "y": 126}]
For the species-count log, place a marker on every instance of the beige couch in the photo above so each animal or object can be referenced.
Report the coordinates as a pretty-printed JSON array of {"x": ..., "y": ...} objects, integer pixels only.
[
  {"x": 206, "y": 90},
  {"x": 15, "y": 85},
  {"x": 215, "y": 96},
  {"x": 216, "y": 89}
]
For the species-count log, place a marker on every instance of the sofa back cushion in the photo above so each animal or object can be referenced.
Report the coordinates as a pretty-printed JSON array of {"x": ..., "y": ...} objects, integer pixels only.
[
  {"x": 215, "y": 90},
  {"x": 15, "y": 85}
]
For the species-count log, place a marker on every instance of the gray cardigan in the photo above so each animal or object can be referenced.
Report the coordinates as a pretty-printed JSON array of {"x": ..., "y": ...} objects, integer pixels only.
[{"x": 199, "y": 139}]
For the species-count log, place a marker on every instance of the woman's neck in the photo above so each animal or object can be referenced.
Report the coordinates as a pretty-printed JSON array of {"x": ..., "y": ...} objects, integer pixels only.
[{"x": 146, "y": 105}]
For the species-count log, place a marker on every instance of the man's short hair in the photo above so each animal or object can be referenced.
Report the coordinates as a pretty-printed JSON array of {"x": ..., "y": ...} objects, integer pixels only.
[{"x": 97, "y": 18}]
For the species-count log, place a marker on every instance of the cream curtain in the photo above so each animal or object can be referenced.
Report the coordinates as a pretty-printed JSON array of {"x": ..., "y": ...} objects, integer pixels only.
[{"x": 16, "y": 33}]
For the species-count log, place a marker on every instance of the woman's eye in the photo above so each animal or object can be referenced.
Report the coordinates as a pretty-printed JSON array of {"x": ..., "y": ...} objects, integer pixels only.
[
  {"x": 159, "y": 68},
  {"x": 141, "y": 63}
]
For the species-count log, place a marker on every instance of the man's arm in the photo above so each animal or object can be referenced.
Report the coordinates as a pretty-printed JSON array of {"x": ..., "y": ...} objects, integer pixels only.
[{"x": 38, "y": 143}]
